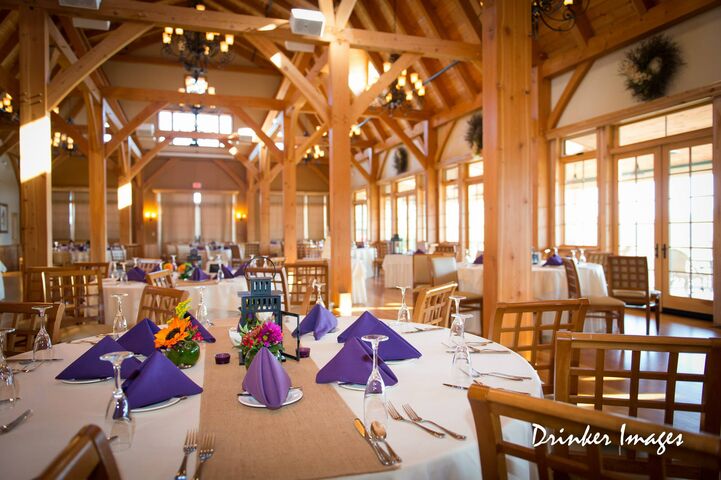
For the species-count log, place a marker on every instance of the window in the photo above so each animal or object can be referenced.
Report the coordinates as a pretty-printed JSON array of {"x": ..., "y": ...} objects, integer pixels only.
[
  {"x": 475, "y": 169},
  {"x": 688, "y": 120},
  {"x": 476, "y": 218},
  {"x": 189, "y": 122},
  {"x": 406, "y": 213},
  {"x": 386, "y": 218},
  {"x": 579, "y": 144},
  {"x": 406, "y": 185},
  {"x": 451, "y": 210},
  {"x": 580, "y": 203},
  {"x": 360, "y": 216}
]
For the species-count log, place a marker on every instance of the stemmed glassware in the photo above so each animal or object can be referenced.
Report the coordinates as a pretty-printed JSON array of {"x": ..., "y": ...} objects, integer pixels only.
[
  {"x": 202, "y": 312},
  {"x": 7, "y": 380},
  {"x": 42, "y": 346},
  {"x": 118, "y": 421},
  {"x": 374, "y": 398},
  {"x": 404, "y": 314},
  {"x": 582, "y": 256},
  {"x": 457, "y": 303},
  {"x": 120, "y": 323},
  {"x": 120, "y": 273},
  {"x": 318, "y": 288},
  {"x": 135, "y": 261},
  {"x": 461, "y": 368},
  {"x": 173, "y": 263},
  {"x": 219, "y": 262},
  {"x": 573, "y": 256}
]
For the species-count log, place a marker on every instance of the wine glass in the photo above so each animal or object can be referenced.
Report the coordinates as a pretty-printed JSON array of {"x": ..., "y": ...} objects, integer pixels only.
[
  {"x": 573, "y": 256},
  {"x": 374, "y": 398},
  {"x": 318, "y": 287},
  {"x": 173, "y": 263},
  {"x": 404, "y": 314},
  {"x": 461, "y": 368},
  {"x": 7, "y": 380},
  {"x": 42, "y": 346},
  {"x": 120, "y": 323},
  {"x": 202, "y": 311},
  {"x": 582, "y": 256},
  {"x": 219, "y": 261},
  {"x": 118, "y": 421},
  {"x": 123, "y": 275}
]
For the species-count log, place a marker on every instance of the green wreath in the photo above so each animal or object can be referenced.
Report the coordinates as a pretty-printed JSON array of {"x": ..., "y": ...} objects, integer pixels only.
[{"x": 649, "y": 67}]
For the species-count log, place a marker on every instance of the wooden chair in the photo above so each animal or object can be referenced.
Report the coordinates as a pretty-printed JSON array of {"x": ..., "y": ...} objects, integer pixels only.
[
  {"x": 81, "y": 291},
  {"x": 616, "y": 373},
  {"x": 628, "y": 282},
  {"x": 117, "y": 254},
  {"x": 279, "y": 278},
  {"x": 600, "y": 258},
  {"x": 158, "y": 304},
  {"x": 434, "y": 305},
  {"x": 162, "y": 278},
  {"x": 444, "y": 269},
  {"x": 605, "y": 307},
  {"x": 103, "y": 267},
  {"x": 33, "y": 284},
  {"x": 252, "y": 249},
  {"x": 87, "y": 456},
  {"x": 149, "y": 264},
  {"x": 302, "y": 274},
  {"x": 236, "y": 259},
  {"x": 24, "y": 320},
  {"x": 183, "y": 253},
  {"x": 522, "y": 328},
  {"x": 697, "y": 456},
  {"x": 382, "y": 249},
  {"x": 447, "y": 247}
]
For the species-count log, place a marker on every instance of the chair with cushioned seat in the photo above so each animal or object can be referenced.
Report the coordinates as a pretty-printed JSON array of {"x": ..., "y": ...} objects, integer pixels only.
[
  {"x": 605, "y": 307},
  {"x": 444, "y": 269},
  {"x": 628, "y": 282}
]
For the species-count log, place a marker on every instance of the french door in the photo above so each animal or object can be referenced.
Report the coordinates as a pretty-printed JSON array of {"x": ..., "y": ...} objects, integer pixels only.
[{"x": 664, "y": 211}]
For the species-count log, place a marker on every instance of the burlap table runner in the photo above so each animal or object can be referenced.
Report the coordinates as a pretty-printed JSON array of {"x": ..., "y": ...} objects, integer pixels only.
[{"x": 314, "y": 438}]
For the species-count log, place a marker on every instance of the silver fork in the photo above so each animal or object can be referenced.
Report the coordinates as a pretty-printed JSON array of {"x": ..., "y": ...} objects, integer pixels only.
[
  {"x": 29, "y": 368},
  {"x": 505, "y": 376},
  {"x": 397, "y": 416},
  {"x": 191, "y": 443},
  {"x": 205, "y": 453},
  {"x": 416, "y": 418}
]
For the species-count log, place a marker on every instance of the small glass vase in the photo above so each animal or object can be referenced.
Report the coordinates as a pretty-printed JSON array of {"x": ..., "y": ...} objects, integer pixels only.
[
  {"x": 184, "y": 354},
  {"x": 250, "y": 355}
]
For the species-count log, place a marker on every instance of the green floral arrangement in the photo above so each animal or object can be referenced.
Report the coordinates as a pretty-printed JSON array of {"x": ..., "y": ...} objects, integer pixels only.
[
  {"x": 185, "y": 270},
  {"x": 649, "y": 67}
]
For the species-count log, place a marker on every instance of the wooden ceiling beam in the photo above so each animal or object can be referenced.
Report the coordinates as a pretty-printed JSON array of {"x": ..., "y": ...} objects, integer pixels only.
[
  {"x": 655, "y": 19},
  {"x": 231, "y": 173},
  {"x": 147, "y": 158},
  {"x": 578, "y": 75},
  {"x": 312, "y": 140},
  {"x": 343, "y": 13},
  {"x": 250, "y": 70},
  {"x": 326, "y": 8},
  {"x": 10, "y": 141},
  {"x": 363, "y": 101},
  {"x": 458, "y": 110},
  {"x": 405, "y": 139},
  {"x": 68, "y": 78},
  {"x": 72, "y": 131},
  {"x": 641, "y": 6},
  {"x": 252, "y": 171},
  {"x": 175, "y": 97},
  {"x": 132, "y": 125},
  {"x": 269, "y": 143},
  {"x": 582, "y": 30}
]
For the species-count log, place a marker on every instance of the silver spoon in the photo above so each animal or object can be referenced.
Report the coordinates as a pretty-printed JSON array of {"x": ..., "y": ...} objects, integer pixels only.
[{"x": 378, "y": 431}]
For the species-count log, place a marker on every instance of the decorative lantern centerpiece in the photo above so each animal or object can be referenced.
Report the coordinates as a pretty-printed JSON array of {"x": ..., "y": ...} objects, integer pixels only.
[{"x": 262, "y": 304}]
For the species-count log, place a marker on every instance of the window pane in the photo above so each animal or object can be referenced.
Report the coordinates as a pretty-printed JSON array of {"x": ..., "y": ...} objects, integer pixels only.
[
  {"x": 183, "y": 122},
  {"x": 476, "y": 218},
  {"x": 642, "y": 131},
  {"x": 226, "y": 124},
  {"x": 182, "y": 142},
  {"x": 360, "y": 195},
  {"x": 689, "y": 120},
  {"x": 406, "y": 185},
  {"x": 165, "y": 120},
  {"x": 580, "y": 144},
  {"x": 450, "y": 174},
  {"x": 207, "y": 123},
  {"x": 475, "y": 169},
  {"x": 580, "y": 209},
  {"x": 451, "y": 214},
  {"x": 387, "y": 219},
  {"x": 208, "y": 142}
]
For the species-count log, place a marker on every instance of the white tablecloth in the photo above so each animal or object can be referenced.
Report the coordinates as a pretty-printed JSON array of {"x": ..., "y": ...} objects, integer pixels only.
[
  {"x": 549, "y": 283},
  {"x": 365, "y": 255},
  {"x": 398, "y": 270},
  {"x": 221, "y": 298},
  {"x": 60, "y": 410}
]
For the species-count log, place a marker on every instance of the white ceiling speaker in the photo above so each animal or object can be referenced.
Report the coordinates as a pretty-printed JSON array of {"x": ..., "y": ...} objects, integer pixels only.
[
  {"x": 299, "y": 46},
  {"x": 89, "y": 4},
  {"x": 307, "y": 22},
  {"x": 91, "y": 24}
]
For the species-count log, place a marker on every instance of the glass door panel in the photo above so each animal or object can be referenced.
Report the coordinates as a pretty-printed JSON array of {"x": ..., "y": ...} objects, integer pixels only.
[
  {"x": 407, "y": 221},
  {"x": 688, "y": 230},
  {"x": 636, "y": 207},
  {"x": 475, "y": 218}
]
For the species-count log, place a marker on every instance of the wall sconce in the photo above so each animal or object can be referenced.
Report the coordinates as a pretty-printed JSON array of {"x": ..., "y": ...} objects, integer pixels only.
[
  {"x": 150, "y": 215},
  {"x": 240, "y": 216}
]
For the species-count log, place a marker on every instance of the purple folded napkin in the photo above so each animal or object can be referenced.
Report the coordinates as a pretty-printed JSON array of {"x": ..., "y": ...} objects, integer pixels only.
[
  {"x": 157, "y": 268},
  {"x": 227, "y": 273},
  {"x": 553, "y": 260},
  {"x": 141, "y": 338},
  {"x": 478, "y": 260},
  {"x": 241, "y": 270},
  {"x": 199, "y": 275},
  {"x": 395, "y": 348},
  {"x": 157, "y": 380},
  {"x": 89, "y": 366},
  {"x": 266, "y": 380},
  {"x": 419, "y": 252},
  {"x": 136, "y": 274},
  {"x": 207, "y": 336},
  {"x": 319, "y": 321},
  {"x": 353, "y": 364}
]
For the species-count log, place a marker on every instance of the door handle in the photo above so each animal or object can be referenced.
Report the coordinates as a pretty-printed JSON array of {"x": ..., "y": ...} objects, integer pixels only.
[
  {"x": 655, "y": 250},
  {"x": 663, "y": 249}
]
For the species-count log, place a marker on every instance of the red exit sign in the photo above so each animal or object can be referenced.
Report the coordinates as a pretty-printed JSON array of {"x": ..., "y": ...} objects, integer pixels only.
[{"x": 197, "y": 185}]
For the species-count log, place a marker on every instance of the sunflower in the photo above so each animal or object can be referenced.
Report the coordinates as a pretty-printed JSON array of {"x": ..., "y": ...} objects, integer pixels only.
[{"x": 176, "y": 332}]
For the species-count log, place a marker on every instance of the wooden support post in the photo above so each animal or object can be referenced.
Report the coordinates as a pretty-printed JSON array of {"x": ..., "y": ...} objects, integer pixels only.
[
  {"x": 540, "y": 108},
  {"x": 97, "y": 179},
  {"x": 264, "y": 207},
  {"x": 430, "y": 138},
  {"x": 340, "y": 171},
  {"x": 507, "y": 49},
  {"x": 716, "y": 166},
  {"x": 604, "y": 165},
  {"x": 290, "y": 249},
  {"x": 35, "y": 155},
  {"x": 252, "y": 199}
]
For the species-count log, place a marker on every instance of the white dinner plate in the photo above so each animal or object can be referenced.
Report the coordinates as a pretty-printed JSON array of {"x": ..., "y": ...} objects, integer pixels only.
[
  {"x": 400, "y": 362},
  {"x": 294, "y": 395},
  {"x": 88, "y": 380},
  {"x": 157, "y": 406},
  {"x": 358, "y": 387}
]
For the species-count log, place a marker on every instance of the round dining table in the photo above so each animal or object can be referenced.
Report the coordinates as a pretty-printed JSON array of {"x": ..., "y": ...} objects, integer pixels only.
[
  {"x": 220, "y": 297},
  {"x": 60, "y": 410}
]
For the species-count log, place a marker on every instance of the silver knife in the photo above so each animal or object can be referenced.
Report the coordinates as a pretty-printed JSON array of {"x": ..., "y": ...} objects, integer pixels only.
[
  {"x": 382, "y": 456},
  {"x": 419, "y": 330},
  {"x": 460, "y": 387},
  {"x": 27, "y": 361},
  {"x": 16, "y": 422}
]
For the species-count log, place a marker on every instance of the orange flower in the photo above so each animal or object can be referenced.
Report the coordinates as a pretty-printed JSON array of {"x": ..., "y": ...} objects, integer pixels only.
[
  {"x": 168, "y": 266},
  {"x": 181, "y": 268},
  {"x": 176, "y": 332}
]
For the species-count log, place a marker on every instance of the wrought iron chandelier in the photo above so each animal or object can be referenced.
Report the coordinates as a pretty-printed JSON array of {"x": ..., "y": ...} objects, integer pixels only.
[
  {"x": 403, "y": 91},
  {"x": 557, "y": 15},
  {"x": 7, "y": 110},
  {"x": 196, "y": 50},
  {"x": 314, "y": 153},
  {"x": 62, "y": 142}
]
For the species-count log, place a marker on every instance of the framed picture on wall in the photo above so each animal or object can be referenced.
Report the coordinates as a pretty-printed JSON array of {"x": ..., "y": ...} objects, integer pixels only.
[{"x": 4, "y": 220}]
